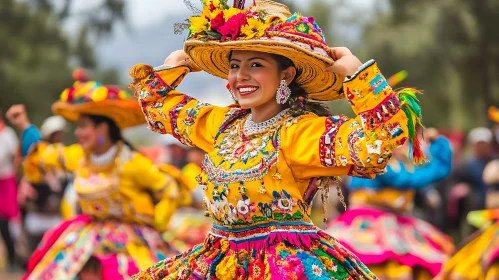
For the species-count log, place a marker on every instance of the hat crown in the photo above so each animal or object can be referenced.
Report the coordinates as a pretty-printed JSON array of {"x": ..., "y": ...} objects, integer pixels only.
[
  {"x": 92, "y": 91},
  {"x": 273, "y": 9}
]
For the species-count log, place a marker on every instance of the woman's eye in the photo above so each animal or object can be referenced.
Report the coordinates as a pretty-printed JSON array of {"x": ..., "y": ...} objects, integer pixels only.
[
  {"x": 256, "y": 64},
  {"x": 232, "y": 66}
]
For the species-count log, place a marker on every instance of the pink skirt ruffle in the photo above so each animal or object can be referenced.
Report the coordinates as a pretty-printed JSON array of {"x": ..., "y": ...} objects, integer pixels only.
[
  {"x": 377, "y": 236},
  {"x": 66, "y": 249}
]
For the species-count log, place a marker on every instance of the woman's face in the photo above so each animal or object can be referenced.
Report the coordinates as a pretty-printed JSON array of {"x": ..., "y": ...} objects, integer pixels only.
[
  {"x": 254, "y": 78},
  {"x": 87, "y": 133}
]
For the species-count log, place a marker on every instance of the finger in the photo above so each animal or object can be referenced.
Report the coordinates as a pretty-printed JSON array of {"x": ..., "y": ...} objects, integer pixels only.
[
  {"x": 339, "y": 52},
  {"x": 337, "y": 67}
]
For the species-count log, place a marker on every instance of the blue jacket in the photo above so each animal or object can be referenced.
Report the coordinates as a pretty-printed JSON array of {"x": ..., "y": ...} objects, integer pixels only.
[{"x": 419, "y": 177}]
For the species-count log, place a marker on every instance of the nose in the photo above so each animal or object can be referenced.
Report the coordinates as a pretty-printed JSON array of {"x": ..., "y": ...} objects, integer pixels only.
[{"x": 243, "y": 74}]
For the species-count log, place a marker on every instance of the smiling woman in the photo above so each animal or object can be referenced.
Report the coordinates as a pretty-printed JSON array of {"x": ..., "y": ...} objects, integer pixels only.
[{"x": 269, "y": 154}]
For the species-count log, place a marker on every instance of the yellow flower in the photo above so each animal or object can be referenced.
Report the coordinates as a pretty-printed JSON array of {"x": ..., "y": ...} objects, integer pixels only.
[
  {"x": 123, "y": 95},
  {"x": 206, "y": 13},
  {"x": 254, "y": 28},
  {"x": 216, "y": 3},
  {"x": 64, "y": 95},
  {"x": 198, "y": 24},
  {"x": 214, "y": 13},
  {"x": 99, "y": 94},
  {"x": 231, "y": 12}
]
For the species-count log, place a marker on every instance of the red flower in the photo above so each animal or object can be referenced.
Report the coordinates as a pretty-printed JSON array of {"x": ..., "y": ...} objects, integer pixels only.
[
  {"x": 212, "y": 7},
  {"x": 218, "y": 21},
  {"x": 232, "y": 28}
]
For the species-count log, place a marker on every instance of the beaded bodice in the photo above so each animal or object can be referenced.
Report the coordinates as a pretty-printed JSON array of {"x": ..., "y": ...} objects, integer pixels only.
[{"x": 247, "y": 180}]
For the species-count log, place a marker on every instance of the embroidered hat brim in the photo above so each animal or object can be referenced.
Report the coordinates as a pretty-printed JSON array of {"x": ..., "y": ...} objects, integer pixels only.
[{"x": 125, "y": 113}]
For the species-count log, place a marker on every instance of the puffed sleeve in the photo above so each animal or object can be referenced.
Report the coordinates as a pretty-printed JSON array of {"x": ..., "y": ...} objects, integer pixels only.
[
  {"x": 336, "y": 145},
  {"x": 42, "y": 157},
  {"x": 162, "y": 186},
  {"x": 168, "y": 111}
]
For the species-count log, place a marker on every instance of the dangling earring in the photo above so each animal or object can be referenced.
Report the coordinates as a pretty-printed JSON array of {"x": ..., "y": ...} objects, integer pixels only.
[
  {"x": 283, "y": 93},
  {"x": 231, "y": 93},
  {"x": 100, "y": 140}
]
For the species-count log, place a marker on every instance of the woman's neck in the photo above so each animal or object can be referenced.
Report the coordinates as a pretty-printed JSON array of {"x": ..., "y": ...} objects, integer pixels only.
[
  {"x": 263, "y": 113},
  {"x": 102, "y": 149}
]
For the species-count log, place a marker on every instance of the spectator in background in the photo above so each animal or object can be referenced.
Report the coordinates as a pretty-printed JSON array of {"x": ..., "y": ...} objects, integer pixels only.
[
  {"x": 470, "y": 171},
  {"x": 176, "y": 152},
  {"x": 9, "y": 208},
  {"x": 468, "y": 190},
  {"x": 42, "y": 202}
]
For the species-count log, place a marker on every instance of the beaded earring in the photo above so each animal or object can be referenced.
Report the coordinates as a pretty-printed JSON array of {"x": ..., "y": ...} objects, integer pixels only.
[{"x": 283, "y": 92}]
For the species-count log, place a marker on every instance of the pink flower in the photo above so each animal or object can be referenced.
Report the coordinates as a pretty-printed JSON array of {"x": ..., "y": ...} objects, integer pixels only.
[
  {"x": 232, "y": 28},
  {"x": 218, "y": 21}
]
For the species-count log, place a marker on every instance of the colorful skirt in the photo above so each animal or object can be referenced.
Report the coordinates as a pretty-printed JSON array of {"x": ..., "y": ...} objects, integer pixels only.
[
  {"x": 122, "y": 249},
  {"x": 295, "y": 250},
  {"x": 382, "y": 239},
  {"x": 477, "y": 259},
  {"x": 8, "y": 198}
]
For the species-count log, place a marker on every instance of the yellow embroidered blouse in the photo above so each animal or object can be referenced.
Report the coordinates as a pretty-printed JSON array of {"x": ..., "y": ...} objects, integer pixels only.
[
  {"x": 127, "y": 189},
  {"x": 265, "y": 177}
]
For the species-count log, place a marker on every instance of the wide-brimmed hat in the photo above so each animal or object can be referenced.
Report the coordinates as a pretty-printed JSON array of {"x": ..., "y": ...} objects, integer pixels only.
[
  {"x": 265, "y": 26},
  {"x": 93, "y": 98}
]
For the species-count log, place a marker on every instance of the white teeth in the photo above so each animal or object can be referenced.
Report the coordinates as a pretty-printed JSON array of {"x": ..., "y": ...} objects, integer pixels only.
[{"x": 248, "y": 89}]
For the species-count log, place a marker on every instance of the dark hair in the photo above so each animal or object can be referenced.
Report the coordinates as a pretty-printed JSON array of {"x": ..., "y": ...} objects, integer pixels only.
[
  {"x": 114, "y": 131},
  {"x": 298, "y": 102}
]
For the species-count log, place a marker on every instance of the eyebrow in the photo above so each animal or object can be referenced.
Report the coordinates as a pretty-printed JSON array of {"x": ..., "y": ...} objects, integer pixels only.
[{"x": 252, "y": 58}]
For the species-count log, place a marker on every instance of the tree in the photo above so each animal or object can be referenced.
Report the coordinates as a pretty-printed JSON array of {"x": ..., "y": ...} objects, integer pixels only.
[
  {"x": 99, "y": 19},
  {"x": 37, "y": 58},
  {"x": 34, "y": 57},
  {"x": 449, "y": 48}
]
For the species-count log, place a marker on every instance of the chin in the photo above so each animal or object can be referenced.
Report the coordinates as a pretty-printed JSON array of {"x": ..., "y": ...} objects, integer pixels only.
[
  {"x": 85, "y": 146},
  {"x": 248, "y": 103}
]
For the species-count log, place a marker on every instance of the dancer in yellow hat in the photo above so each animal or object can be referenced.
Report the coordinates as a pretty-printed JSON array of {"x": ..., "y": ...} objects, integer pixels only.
[
  {"x": 270, "y": 152},
  {"x": 126, "y": 201}
]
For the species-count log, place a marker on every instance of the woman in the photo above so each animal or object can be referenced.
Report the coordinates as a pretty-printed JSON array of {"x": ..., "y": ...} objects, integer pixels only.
[
  {"x": 478, "y": 257},
  {"x": 378, "y": 226},
  {"x": 126, "y": 201},
  {"x": 266, "y": 153},
  {"x": 9, "y": 208}
]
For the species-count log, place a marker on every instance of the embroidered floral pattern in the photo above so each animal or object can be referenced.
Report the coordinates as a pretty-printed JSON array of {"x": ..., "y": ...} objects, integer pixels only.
[
  {"x": 327, "y": 149},
  {"x": 354, "y": 145},
  {"x": 381, "y": 113},
  {"x": 174, "y": 113}
]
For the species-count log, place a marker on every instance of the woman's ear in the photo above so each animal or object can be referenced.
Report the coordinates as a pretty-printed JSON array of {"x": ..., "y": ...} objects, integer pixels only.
[{"x": 289, "y": 74}]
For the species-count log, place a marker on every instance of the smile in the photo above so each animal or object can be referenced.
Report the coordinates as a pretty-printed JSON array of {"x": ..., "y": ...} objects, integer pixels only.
[{"x": 246, "y": 90}]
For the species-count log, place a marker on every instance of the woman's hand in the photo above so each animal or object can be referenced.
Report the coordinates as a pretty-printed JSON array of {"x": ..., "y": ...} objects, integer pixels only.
[
  {"x": 180, "y": 58},
  {"x": 18, "y": 116},
  {"x": 345, "y": 63},
  {"x": 431, "y": 134}
]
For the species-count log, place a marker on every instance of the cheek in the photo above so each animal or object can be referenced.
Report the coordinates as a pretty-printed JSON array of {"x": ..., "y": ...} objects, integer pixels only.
[
  {"x": 86, "y": 135},
  {"x": 268, "y": 84},
  {"x": 231, "y": 79}
]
